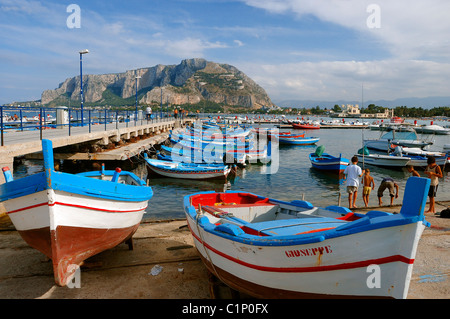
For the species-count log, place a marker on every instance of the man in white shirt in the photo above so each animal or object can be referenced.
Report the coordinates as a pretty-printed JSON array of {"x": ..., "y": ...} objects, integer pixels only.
[{"x": 353, "y": 174}]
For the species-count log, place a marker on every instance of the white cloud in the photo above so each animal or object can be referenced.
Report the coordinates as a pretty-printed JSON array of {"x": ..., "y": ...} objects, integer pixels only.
[
  {"x": 334, "y": 80},
  {"x": 238, "y": 43},
  {"x": 415, "y": 33},
  {"x": 409, "y": 29}
]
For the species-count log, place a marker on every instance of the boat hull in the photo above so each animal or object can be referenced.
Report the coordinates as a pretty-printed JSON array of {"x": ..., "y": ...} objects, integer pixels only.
[
  {"x": 328, "y": 163},
  {"x": 55, "y": 223},
  {"x": 71, "y": 217},
  {"x": 219, "y": 174},
  {"x": 186, "y": 170},
  {"x": 383, "y": 160},
  {"x": 385, "y": 145},
  {"x": 298, "y": 141},
  {"x": 333, "y": 268},
  {"x": 276, "y": 249}
]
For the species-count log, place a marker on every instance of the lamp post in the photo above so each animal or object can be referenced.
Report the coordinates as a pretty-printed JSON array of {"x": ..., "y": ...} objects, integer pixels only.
[
  {"x": 136, "y": 113},
  {"x": 161, "y": 112},
  {"x": 81, "y": 81}
]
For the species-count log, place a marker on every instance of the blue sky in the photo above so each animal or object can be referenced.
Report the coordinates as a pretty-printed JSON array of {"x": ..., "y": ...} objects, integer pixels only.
[{"x": 295, "y": 49}]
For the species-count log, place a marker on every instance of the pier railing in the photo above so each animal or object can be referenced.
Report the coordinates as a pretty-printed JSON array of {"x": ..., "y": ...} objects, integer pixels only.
[{"x": 16, "y": 119}]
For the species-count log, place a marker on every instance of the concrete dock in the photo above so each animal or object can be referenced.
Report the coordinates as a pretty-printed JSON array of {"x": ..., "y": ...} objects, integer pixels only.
[
  {"x": 165, "y": 265},
  {"x": 134, "y": 139}
]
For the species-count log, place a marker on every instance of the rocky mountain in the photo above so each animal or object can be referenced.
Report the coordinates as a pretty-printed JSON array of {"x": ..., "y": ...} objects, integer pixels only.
[{"x": 191, "y": 81}]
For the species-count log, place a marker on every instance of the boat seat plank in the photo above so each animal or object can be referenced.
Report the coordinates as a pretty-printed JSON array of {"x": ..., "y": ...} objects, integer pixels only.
[{"x": 294, "y": 226}]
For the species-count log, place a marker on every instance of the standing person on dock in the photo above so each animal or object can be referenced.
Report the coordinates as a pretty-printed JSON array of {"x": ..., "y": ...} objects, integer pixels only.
[
  {"x": 368, "y": 186},
  {"x": 148, "y": 112},
  {"x": 390, "y": 184},
  {"x": 353, "y": 173},
  {"x": 433, "y": 172}
]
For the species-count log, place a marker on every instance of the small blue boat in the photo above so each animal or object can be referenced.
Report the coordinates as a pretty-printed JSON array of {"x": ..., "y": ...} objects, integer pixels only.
[
  {"x": 270, "y": 248},
  {"x": 187, "y": 170},
  {"x": 197, "y": 155},
  {"x": 329, "y": 163},
  {"x": 298, "y": 141}
]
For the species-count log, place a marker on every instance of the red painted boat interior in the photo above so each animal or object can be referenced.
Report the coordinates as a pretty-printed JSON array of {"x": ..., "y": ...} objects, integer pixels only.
[{"x": 215, "y": 199}]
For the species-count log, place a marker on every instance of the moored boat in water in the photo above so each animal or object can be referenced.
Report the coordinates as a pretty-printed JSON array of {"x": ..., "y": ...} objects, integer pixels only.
[
  {"x": 407, "y": 138},
  {"x": 328, "y": 163},
  {"x": 305, "y": 126},
  {"x": 433, "y": 129},
  {"x": 289, "y": 140},
  {"x": 188, "y": 170},
  {"x": 389, "y": 161}
]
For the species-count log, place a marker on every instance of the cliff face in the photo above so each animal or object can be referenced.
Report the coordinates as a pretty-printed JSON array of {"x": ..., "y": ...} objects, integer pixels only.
[{"x": 191, "y": 81}]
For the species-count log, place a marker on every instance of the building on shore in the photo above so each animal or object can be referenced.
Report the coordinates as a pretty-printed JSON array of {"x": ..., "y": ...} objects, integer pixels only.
[{"x": 353, "y": 111}]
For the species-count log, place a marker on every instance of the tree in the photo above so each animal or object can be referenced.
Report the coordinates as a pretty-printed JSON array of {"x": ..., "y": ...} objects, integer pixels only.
[{"x": 337, "y": 108}]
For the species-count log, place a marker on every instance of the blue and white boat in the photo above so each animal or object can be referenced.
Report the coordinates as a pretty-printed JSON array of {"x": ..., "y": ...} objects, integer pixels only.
[
  {"x": 71, "y": 217},
  {"x": 198, "y": 155},
  {"x": 407, "y": 138},
  {"x": 298, "y": 140},
  {"x": 188, "y": 170},
  {"x": 329, "y": 163},
  {"x": 418, "y": 157},
  {"x": 270, "y": 248}
]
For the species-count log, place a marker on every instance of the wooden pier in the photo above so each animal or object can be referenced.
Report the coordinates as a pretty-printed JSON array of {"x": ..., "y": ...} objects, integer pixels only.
[{"x": 128, "y": 140}]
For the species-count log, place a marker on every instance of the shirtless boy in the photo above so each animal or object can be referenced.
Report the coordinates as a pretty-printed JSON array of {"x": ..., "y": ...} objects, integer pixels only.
[{"x": 368, "y": 185}]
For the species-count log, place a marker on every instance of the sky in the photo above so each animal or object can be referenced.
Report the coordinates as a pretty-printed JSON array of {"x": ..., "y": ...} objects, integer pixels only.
[{"x": 295, "y": 49}]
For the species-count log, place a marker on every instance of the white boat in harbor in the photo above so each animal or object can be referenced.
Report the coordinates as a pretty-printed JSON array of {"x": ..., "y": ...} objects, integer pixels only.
[
  {"x": 383, "y": 160},
  {"x": 433, "y": 129},
  {"x": 270, "y": 248},
  {"x": 419, "y": 157},
  {"x": 407, "y": 138}
]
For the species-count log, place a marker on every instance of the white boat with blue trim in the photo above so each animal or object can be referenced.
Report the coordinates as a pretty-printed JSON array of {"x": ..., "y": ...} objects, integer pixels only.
[
  {"x": 71, "y": 217},
  {"x": 275, "y": 249},
  {"x": 406, "y": 138},
  {"x": 188, "y": 170},
  {"x": 290, "y": 140}
]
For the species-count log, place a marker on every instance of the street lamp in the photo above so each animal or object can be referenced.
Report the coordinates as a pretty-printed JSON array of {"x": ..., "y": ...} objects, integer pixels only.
[
  {"x": 135, "y": 115},
  {"x": 161, "y": 104},
  {"x": 81, "y": 81}
]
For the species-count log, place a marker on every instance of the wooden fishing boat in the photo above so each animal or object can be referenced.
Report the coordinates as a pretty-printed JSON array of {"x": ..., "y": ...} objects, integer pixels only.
[
  {"x": 214, "y": 131},
  {"x": 298, "y": 140},
  {"x": 71, "y": 217},
  {"x": 224, "y": 144},
  {"x": 406, "y": 138},
  {"x": 389, "y": 161},
  {"x": 275, "y": 249},
  {"x": 180, "y": 153},
  {"x": 433, "y": 129},
  {"x": 419, "y": 157},
  {"x": 305, "y": 126},
  {"x": 329, "y": 163},
  {"x": 188, "y": 170},
  {"x": 272, "y": 134}
]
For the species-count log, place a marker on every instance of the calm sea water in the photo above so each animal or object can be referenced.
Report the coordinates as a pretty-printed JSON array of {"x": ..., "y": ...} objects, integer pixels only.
[{"x": 294, "y": 179}]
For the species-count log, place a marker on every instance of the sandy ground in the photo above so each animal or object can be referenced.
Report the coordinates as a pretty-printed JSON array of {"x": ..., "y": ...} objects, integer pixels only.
[{"x": 121, "y": 273}]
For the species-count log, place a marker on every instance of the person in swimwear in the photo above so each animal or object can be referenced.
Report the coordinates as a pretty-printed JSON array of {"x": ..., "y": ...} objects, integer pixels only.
[{"x": 368, "y": 185}]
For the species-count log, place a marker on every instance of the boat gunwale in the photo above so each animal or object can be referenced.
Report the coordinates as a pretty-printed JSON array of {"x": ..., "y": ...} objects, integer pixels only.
[{"x": 366, "y": 223}]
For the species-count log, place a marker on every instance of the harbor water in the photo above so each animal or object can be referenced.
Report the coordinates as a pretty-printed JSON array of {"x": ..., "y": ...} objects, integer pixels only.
[{"x": 293, "y": 179}]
